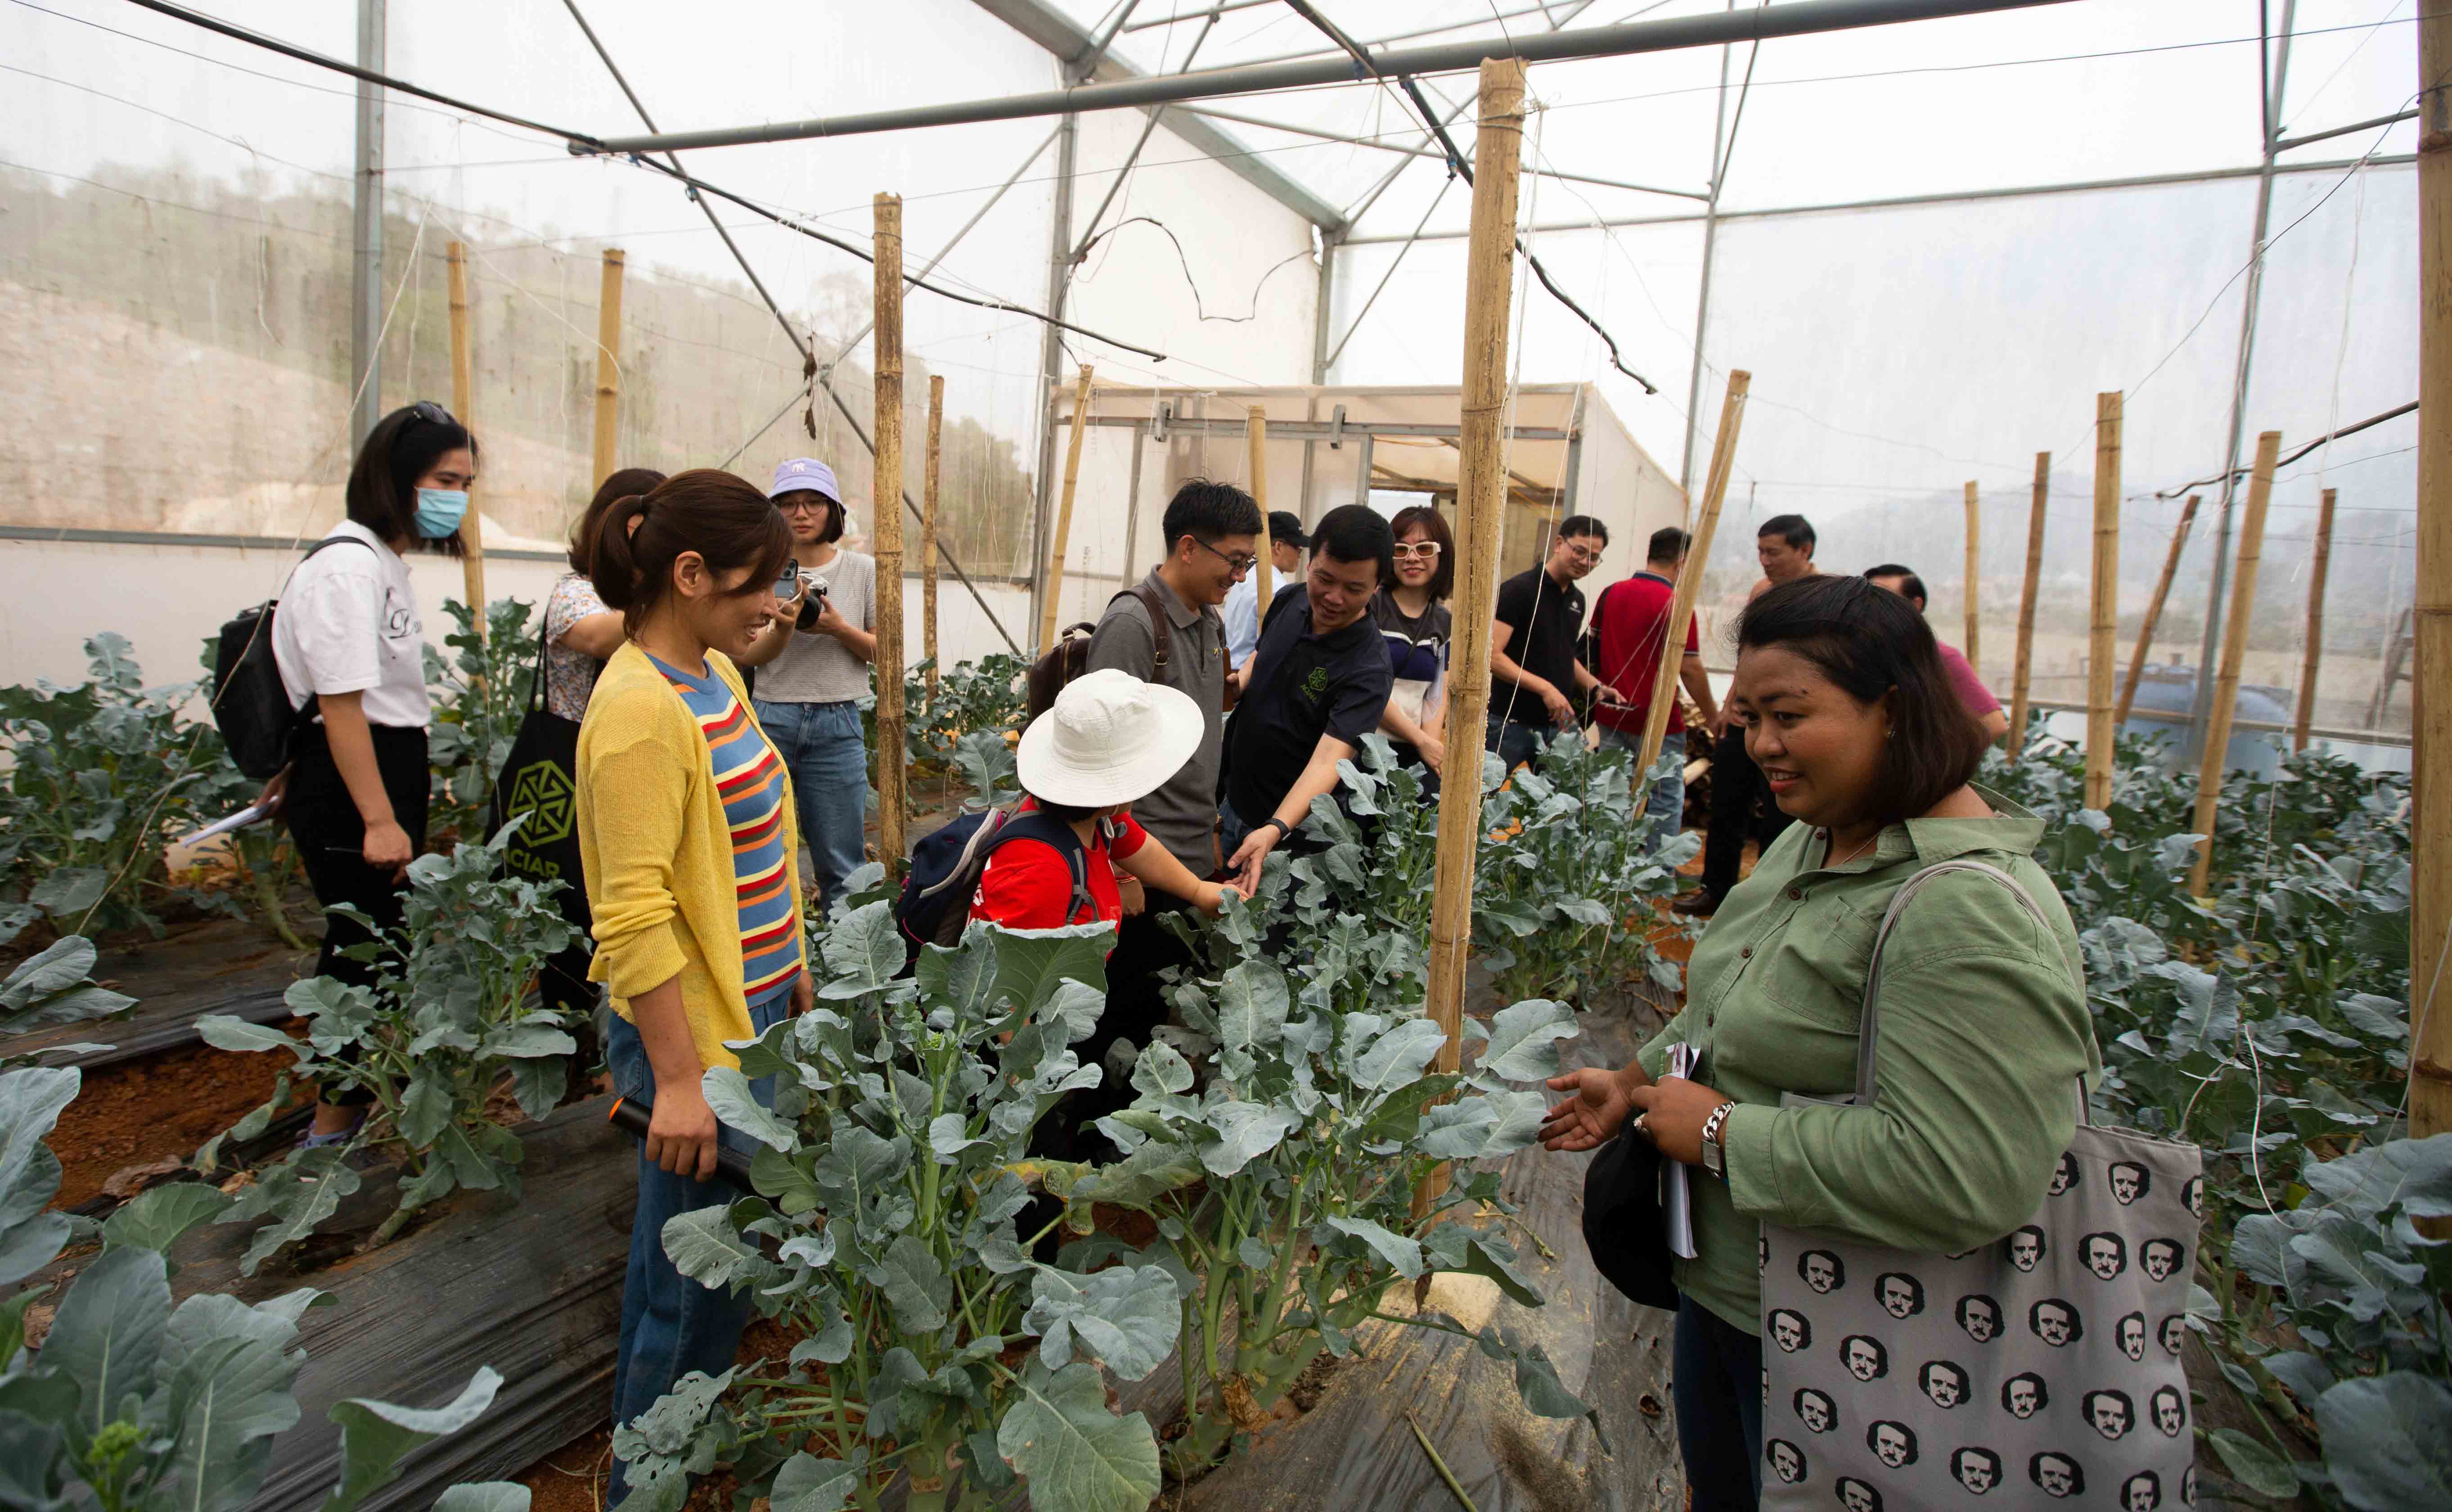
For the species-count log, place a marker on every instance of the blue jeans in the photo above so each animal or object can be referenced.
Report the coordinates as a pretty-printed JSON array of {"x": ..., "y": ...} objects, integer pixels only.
[
  {"x": 820, "y": 744},
  {"x": 1716, "y": 1383},
  {"x": 1517, "y": 742},
  {"x": 670, "y": 1324},
  {"x": 1665, "y": 805}
]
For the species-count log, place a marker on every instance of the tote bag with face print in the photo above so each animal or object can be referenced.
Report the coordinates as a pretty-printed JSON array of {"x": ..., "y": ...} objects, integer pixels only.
[{"x": 2041, "y": 1370}]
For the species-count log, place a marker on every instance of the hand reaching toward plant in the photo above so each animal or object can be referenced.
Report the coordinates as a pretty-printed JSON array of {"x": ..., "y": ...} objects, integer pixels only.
[{"x": 1604, "y": 1100}]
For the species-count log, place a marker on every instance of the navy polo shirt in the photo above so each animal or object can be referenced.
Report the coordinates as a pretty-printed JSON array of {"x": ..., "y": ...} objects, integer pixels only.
[{"x": 1303, "y": 686}]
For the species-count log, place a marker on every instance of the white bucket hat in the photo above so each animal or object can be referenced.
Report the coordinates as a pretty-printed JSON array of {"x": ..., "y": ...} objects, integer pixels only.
[{"x": 1108, "y": 739}]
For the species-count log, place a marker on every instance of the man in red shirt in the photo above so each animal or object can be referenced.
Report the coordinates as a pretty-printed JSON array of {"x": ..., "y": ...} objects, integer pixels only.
[
  {"x": 1980, "y": 706},
  {"x": 1630, "y": 625}
]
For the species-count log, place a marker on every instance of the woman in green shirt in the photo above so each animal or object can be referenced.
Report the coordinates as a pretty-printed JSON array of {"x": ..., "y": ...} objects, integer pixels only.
[{"x": 1985, "y": 1026}]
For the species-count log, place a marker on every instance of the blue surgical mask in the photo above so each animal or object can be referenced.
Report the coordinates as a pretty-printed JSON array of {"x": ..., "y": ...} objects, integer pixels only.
[{"x": 439, "y": 511}]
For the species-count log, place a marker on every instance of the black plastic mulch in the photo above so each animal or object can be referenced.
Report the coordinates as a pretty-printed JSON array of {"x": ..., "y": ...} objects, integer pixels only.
[{"x": 224, "y": 965}]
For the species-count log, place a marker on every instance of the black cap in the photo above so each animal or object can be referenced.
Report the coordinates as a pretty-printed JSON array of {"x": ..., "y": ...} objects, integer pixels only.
[{"x": 1286, "y": 529}]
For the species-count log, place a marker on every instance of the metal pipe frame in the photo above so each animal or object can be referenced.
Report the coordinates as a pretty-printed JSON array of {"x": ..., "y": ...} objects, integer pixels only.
[
  {"x": 1800, "y": 18},
  {"x": 2269, "y": 83},
  {"x": 1911, "y": 201},
  {"x": 1325, "y": 430},
  {"x": 1213, "y": 114},
  {"x": 366, "y": 249}
]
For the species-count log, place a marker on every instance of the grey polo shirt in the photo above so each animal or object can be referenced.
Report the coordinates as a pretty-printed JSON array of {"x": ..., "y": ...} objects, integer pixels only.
[{"x": 1182, "y": 814}]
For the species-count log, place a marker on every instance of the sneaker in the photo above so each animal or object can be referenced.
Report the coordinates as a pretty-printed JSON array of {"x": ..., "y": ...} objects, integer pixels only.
[{"x": 1696, "y": 906}]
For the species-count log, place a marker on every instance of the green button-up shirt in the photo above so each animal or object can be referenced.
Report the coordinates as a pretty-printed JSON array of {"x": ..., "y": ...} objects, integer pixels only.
[{"x": 1985, "y": 1033}]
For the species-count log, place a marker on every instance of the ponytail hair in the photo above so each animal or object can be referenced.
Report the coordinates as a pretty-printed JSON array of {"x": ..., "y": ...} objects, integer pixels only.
[
  {"x": 620, "y": 485},
  {"x": 727, "y": 523}
]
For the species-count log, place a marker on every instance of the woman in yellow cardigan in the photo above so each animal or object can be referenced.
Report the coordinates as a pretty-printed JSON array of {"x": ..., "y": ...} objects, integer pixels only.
[{"x": 686, "y": 837}]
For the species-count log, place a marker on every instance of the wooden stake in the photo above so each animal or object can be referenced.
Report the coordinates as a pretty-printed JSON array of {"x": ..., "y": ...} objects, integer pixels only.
[
  {"x": 928, "y": 526},
  {"x": 2243, "y": 606},
  {"x": 608, "y": 364},
  {"x": 463, "y": 409},
  {"x": 1255, "y": 426},
  {"x": 1974, "y": 540},
  {"x": 2315, "y": 654},
  {"x": 2101, "y": 727},
  {"x": 2154, "y": 612},
  {"x": 1690, "y": 578},
  {"x": 1064, "y": 514},
  {"x": 2430, "y": 851},
  {"x": 885, "y": 495},
  {"x": 2022, "y": 675},
  {"x": 1482, "y": 509}
]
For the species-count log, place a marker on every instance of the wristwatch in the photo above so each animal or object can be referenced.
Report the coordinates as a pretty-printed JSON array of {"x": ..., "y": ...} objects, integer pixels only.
[
  {"x": 1283, "y": 829},
  {"x": 1715, "y": 1157}
]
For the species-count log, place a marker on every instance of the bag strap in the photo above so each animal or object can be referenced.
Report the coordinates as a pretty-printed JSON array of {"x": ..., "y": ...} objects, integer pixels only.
[
  {"x": 1054, "y": 832},
  {"x": 1158, "y": 632},
  {"x": 305, "y": 714},
  {"x": 1870, "y": 1034}
]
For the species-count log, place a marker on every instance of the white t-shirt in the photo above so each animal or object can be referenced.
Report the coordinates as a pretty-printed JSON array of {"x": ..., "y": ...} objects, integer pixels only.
[{"x": 348, "y": 623}]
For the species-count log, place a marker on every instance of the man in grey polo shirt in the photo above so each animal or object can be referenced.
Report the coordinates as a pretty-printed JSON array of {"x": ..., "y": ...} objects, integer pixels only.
[{"x": 1212, "y": 531}]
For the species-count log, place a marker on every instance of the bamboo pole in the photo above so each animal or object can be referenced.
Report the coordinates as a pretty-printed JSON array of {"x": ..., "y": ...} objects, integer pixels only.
[
  {"x": 1256, "y": 428},
  {"x": 1481, "y": 508},
  {"x": 2022, "y": 674},
  {"x": 928, "y": 526},
  {"x": 2154, "y": 612},
  {"x": 1690, "y": 578},
  {"x": 608, "y": 364},
  {"x": 463, "y": 409},
  {"x": 2101, "y": 727},
  {"x": 2243, "y": 606},
  {"x": 2315, "y": 653},
  {"x": 1064, "y": 514},
  {"x": 1974, "y": 542},
  {"x": 2430, "y": 851},
  {"x": 885, "y": 492}
]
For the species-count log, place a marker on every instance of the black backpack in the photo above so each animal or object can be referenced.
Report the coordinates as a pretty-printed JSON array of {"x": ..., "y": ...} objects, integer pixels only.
[
  {"x": 250, "y": 706},
  {"x": 945, "y": 868}
]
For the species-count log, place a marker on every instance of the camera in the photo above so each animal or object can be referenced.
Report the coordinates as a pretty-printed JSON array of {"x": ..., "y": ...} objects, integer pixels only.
[{"x": 813, "y": 602}]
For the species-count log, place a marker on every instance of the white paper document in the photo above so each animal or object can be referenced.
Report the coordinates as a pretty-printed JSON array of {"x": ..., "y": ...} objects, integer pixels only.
[
  {"x": 1676, "y": 1204},
  {"x": 237, "y": 821}
]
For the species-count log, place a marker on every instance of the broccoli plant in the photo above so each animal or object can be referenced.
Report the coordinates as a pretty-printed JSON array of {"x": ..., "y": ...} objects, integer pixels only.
[
  {"x": 101, "y": 777},
  {"x": 480, "y": 694},
  {"x": 447, "y": 1017},
  {"x": 894, "y": 1169},
  {"x": 56, "y": 987},
  {"x": 133, "y": 1404},
  {"x": 1297, "y": 1188}
]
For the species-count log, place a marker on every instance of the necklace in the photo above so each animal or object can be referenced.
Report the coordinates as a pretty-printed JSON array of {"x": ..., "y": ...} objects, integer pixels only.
[{"x": 1869, "y": 842}]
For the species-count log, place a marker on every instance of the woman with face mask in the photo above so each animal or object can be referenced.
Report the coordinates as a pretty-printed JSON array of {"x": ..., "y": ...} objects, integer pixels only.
[
  {"x": 351, "y": 648},
  {"x": 687, "y": 840}
]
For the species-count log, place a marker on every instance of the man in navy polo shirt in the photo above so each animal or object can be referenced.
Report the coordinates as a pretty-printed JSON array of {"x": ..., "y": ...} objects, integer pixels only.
[{"x": 1318, "y": 683}]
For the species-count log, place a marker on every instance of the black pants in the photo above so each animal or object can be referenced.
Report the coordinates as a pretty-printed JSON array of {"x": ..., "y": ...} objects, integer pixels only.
[
  {"x": 1741, "y": 809},
  {"x": 1135, "y": 1008},
  {"x": 1717, "y": 1382},
  {"x": 330, "y": 838}
]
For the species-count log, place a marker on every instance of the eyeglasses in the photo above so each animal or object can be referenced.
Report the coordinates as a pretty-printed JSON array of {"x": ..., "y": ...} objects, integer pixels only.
[
  {"x": 1584, "y": 555},
  {"x": 432, "y": 413},
  {"x": 1426, "y": 550},
  {"x": 813, "y": 503},
  {"x": 1242, "y": 561}
]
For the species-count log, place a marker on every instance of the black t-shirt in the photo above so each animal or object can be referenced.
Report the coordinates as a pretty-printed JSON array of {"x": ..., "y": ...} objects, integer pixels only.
[
  {"x": 1303, "y": 686},
  {"x": 1546, "y": 649}
]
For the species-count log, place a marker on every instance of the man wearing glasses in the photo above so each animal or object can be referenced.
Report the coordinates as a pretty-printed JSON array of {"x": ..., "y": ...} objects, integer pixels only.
[
  {"x": 1534, "y": 673},
  {"x": 1211, "y": 531},
  {"x": 808, "y": 696},
  {"x": 1287, "y": 543}
]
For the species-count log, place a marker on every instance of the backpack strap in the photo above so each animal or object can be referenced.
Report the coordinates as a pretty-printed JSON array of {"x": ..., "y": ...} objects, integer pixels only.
[
  {"x": 1158, "y": 631},
  {"x": 305, "y": 711},
  {"x": 1054, "y": 833}
]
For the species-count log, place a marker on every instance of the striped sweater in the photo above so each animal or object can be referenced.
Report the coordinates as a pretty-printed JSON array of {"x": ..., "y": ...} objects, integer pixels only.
[{"x": 687, "y": 833}]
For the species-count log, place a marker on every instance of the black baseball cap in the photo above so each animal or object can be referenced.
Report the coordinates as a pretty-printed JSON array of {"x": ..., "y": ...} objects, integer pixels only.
[{"x": 1286, "y": 528}]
